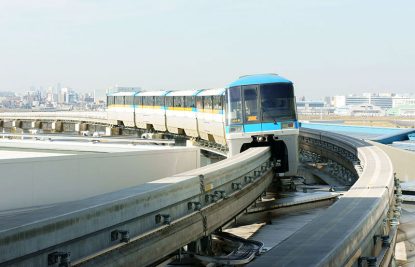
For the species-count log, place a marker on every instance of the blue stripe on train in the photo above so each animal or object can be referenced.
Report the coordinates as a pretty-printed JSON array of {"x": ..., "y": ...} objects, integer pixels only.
[
  {"x": 255, "y": 127},
  {"x": 270, "y": 126},
  {"x": 267, "y": 126}
]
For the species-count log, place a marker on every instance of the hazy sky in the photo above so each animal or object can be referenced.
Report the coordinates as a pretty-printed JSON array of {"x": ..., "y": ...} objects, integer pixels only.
[{"x": 325, "y": 47}]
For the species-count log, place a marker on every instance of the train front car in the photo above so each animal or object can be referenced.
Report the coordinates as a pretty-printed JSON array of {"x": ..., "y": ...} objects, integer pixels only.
[{"x": 260, "y": 111}]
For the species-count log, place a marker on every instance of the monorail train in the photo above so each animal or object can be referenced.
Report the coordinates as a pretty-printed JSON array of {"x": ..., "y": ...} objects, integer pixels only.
[{"x": 255, "y": 110}]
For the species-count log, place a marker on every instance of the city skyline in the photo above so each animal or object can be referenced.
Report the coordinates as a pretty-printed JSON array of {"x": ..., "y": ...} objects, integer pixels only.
[{"x": 341, "y": 47}]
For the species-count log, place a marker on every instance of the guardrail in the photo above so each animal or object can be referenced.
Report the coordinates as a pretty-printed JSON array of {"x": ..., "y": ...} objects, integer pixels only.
[
  {"x": 96, "y": 116},
  {"x": 347, "y": 233},
  {"x": 138, "y": 225},
  {"x": 97, "y": 139}
]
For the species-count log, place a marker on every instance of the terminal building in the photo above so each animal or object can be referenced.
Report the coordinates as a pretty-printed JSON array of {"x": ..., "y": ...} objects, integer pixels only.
[
  {"x": 382, "y": 100},
  {"x": 374, "y": 104},
  {"x": 312, "y": 107}
]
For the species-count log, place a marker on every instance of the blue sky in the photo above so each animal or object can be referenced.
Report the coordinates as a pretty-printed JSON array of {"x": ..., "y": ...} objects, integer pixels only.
[{"x": 325, "y": 47}]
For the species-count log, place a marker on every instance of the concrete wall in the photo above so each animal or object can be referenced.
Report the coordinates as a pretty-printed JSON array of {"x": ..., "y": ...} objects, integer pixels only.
[
  {"x": 37, "y": 181},
  {"x": 403, "y": 161}
]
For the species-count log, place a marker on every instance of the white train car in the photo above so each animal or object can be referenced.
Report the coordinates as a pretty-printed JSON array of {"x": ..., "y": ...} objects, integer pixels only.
[
  {"x": 261, "y": 111},
  {"x": 150, "y": 110},
  {"x": 181, "y": 112},
  {"x": 121, "y": 108},
  {"x": 210, "y": 115},
  {"x": 255, "y": 110}
]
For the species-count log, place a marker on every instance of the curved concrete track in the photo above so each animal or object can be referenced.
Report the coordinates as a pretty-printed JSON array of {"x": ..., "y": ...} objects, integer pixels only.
[{"x": 344, "y": 232}]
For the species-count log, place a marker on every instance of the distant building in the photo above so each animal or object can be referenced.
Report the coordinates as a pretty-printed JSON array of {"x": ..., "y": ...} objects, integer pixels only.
[
  {"x": 403, "y": 101},
  {"x": 312, "y": 107},
  {"x": 338, "y": 101},
  {"x": 402, "y": 106},
  {"x": 355, "y": 100},
  {"x": 382, "y": 100},
  {"x": 363, "y": 110},
  {"x": 63, "y": 95}
]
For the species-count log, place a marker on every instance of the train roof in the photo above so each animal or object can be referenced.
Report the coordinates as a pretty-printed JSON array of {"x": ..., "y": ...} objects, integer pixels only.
[
  {"x": 153, "y": 93},
  {"x": 259, "y": 79},
  {"x": 122, "y": 94},
  {"x": 183, "y": 93},
  {"x": 208, "y": 92}
]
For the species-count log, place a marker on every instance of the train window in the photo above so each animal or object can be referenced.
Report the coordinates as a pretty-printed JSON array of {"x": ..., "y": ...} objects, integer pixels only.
[
  {"x": 251, "y": 103},
  {"x": 235, "y": 105},
  {"x": 110, "y": 100},
  {"x": 148, "y": 101},
  {"x": 169, "y": 101},
  {"x": 178, "y": 101},
  {"x": 199, "y": 102},
  {"x": 129, "y": 100},
  {"x": 159, "y": 101},
  {"x": 189, "y": 101},
  {"x": 119, "y": 100},
  {"x": 277, "y": 102},
  {"x": 217, "y": 102},
  {"x": 225, "y": 105},
  {"x": 138, "y": 100},
  {"x": 207, "y": 103}
]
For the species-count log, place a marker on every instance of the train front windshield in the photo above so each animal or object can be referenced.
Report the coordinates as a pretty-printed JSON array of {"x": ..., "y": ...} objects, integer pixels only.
[{"x": 260, "y": 103}]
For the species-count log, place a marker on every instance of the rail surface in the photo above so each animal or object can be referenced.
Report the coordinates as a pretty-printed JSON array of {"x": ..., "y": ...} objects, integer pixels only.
[
  {"x": 344, "y": 234},
  {"x": 139, "y": 225}
]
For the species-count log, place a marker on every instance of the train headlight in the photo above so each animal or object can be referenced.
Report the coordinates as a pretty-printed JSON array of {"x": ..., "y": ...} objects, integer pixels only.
[{"x": 236, "y": 129}]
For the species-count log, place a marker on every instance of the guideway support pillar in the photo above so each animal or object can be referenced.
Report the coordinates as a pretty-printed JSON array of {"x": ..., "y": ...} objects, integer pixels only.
[
  {"x": 82, "y": 126},
  {"x": 202, "y": 246},
  {"x": 110, "y": 131},
  {"x": 36, "y": 124},
  {"x": 57, "y": 126}
]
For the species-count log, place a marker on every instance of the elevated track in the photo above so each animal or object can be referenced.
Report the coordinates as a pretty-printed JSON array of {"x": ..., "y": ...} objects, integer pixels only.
[
  {"x": 361, "y": 226},
  {"x": 140, "y": 225}
]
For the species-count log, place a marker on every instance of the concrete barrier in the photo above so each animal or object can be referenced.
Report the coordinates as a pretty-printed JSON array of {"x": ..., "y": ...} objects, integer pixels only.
[
  {"x": 28, "y": 182},
  {"x": 159, "y": 217},
  {"x": 343, "y": 234},
  {"x": 403, "y": 161}
]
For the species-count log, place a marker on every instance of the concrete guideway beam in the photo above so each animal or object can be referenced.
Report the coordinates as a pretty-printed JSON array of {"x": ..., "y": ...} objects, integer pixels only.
[
  {"x": 83, "y": 228},
  {"x": 344, "y": 234},
  {"x": 165, "y": 240}
]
